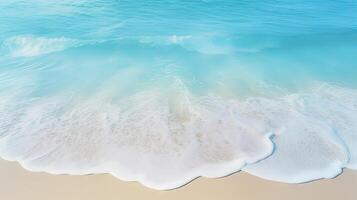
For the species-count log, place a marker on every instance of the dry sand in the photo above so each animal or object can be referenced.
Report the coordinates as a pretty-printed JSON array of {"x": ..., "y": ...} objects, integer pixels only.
[{"x": 19, "y": 184}]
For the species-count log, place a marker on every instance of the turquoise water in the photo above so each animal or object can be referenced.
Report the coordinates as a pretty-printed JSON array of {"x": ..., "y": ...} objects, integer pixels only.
[{"x": 162, "y": 92}]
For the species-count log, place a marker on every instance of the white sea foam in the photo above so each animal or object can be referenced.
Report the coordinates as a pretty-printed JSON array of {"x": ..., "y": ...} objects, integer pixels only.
[
  {"x": 162, "y": 141},
  {"x": 29, "y": 46},
  {"x": 164, "y": 138},
  {"x": 202, "y": 44},
  {"x": 317, "y": 141}
]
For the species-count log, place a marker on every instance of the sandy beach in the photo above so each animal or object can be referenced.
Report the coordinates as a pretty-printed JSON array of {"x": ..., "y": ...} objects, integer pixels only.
[{"x": 18, "y": 184}]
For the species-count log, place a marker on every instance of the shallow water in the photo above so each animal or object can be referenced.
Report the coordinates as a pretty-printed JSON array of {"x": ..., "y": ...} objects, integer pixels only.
[{"x": 162, "y": 92}]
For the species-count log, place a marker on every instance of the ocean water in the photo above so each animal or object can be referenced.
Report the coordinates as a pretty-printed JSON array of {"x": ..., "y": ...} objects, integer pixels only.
[{"x": 162, "y": 92}]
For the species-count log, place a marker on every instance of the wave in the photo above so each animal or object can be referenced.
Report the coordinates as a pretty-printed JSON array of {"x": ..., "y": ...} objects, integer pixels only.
[
  {"x": 30, "y": 46},
  {"x": 320, "y": 140},
  {"x": 210, "y": 44},
  {"x": 165, "y": 138}
]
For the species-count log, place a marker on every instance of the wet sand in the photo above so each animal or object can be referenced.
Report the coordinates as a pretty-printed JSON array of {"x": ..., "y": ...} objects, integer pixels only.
[{"x": 19, "y": 184}]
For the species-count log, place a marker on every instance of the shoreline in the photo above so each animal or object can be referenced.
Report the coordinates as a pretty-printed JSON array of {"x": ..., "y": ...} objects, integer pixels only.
[{"x": 18, "y": 183}]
